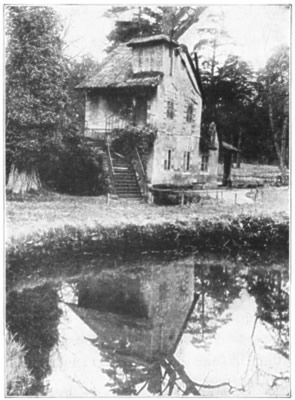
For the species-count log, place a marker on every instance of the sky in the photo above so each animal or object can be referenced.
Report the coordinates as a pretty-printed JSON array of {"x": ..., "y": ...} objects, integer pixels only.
[{"x": 256, "y": 29}]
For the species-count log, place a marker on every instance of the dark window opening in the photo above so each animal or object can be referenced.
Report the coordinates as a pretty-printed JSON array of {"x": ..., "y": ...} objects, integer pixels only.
[
  {"x": 140, "y": 58},
  {"x": 170, "y": 109},
  {"x": 167, "y": 162},
  {"x": 186, "y": 160},
  {"x": 204, "y": 163},
  {"x": 189, "y": 112}
]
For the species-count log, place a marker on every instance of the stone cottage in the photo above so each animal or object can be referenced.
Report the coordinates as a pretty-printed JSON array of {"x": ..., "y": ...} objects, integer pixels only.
[{"x": 152, "y": 81}]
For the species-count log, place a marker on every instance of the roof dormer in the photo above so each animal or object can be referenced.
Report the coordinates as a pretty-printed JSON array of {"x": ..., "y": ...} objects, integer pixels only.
[{"x": 151, "y": 53}]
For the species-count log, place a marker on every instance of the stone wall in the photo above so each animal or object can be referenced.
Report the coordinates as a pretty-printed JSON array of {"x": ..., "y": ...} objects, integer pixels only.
[{"x": 179, "y": 132}]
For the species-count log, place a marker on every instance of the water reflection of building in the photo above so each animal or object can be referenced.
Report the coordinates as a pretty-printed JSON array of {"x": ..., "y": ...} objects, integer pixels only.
[{"x": 138, "y": 313}]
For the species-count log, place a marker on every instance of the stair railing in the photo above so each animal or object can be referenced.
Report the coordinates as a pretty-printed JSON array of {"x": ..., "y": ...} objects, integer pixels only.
[
  {"x": 114, "y": 121},
  {"x": 111, "y": 171},
  {"x": 140, "y": 172}
]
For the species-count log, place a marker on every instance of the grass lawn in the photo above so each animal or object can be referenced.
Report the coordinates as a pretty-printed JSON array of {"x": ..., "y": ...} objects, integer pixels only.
[{"x": 51, "y": 210}]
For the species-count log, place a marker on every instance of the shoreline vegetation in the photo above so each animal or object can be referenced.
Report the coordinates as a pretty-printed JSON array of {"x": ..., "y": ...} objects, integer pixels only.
[
  {"x": 18, "y": 376},
  {"x": 59, "y": 227}
]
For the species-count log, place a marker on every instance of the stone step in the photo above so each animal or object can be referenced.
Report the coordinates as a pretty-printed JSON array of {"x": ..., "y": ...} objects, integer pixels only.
[
  {"x": 125, "y": 179},
  {"x": 128, "y": 193},
  {"x": 129, "y": 196},
  {"x": 123, "y": 172},
  {"x": 127, "y": 187},
  {"x": 126, "y": 182}
]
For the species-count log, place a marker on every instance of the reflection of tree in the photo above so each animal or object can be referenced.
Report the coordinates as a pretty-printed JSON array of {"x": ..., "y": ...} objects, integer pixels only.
[
  {"x": 273, "y": 305},
  {"x": 273, "y": 312},
  {"x": 130, "y": 375},
  {"x": 218, "y": 287},
  {"x": 33, "y": 316}
]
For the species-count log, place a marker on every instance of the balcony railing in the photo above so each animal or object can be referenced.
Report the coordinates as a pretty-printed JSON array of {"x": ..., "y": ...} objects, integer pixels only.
[
  {"x": 104, "y": 131},
  {"x": 112, "y": 122}
]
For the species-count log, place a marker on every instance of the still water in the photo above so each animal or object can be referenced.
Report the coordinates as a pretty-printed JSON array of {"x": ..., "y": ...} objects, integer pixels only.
[{"x": 156, "y": 326}]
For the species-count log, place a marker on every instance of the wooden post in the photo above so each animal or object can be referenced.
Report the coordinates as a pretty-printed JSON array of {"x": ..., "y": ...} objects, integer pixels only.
[
  {"x": 222, "y": 195},
  {"x": 108, "y": 198},
  {"x": 182, "y": 198},
  {"x": 236, "y": 198}
]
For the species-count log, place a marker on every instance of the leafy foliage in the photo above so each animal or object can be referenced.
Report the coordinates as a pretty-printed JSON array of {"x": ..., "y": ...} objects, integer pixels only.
[
  {"x": 44, "y": 111},
  {"x": 18, "y": 377},
  {"x": 33, "y": 316},
  {"x": 35, "y": 83},
  {"x": 273, "y": 95},
  {"x": 234, "y": 92},
  {"x": 73, "y": 166},
  {"x": 147, "y": 21},
  {"x": 242, "y": 231},
  {"x": 126, "y": 140}
]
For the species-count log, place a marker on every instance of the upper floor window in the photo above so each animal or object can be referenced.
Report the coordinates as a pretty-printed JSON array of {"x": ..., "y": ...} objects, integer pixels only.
[
  {"x": 140, "y": 58},
  {"x": 148, "y": 58},
  {"x": 170, "y": 109},
  {"x": 159, "y": 57},
  {"x": 189, "y": 112}
]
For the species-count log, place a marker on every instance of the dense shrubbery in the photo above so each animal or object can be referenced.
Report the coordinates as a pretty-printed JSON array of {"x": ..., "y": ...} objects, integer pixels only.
[
  {"x": 73, "y": 167},
  {"x": 32, "y": 315},
  {"x": 125, "y": 140},
  {"x": 234, "y": 233}
]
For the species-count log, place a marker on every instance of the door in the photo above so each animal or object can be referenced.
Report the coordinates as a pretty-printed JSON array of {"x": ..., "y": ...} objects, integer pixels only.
[{"x": 140, "y": 111}]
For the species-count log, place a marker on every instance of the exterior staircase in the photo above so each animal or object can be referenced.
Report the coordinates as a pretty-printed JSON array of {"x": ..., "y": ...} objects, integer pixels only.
[{"x": 124, "y": 178}]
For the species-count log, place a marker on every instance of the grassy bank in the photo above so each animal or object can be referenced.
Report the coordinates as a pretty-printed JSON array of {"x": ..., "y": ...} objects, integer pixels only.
[
  {"x": 54, "y": 227},
  {"x": 222, "y": 233},
  {"x": 41, "y": 213},
  {"x": 18, "y": 377}
]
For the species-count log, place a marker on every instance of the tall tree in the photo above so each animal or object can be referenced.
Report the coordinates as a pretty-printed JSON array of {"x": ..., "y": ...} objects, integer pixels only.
[
  {"x": 234, "y": 94},
  {"x": 274, "y": 94},
  {"x": 210, "y": 49},
  {"x": 35, "y": 91},
  {"x": 146, "y": 21}
]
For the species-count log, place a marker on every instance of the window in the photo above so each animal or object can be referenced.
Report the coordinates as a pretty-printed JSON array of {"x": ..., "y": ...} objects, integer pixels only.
[
  {"x": 140, "y": 58},
  {"x": 204, "y": 163},
  {"x": 149, "y": 59},
  {"x": 159, "y": 57},
  {"x": 189, "y": 112},
  {"x": 186, "y": 160},
  {"x": 152, "y": 59},
  {"x": 170, "y": 109},
  {"x": 167, "y": 162}
]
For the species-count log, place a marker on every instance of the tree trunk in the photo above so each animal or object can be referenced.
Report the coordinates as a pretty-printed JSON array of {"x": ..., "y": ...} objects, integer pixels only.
[
  {"x": 279, "y": 150},
  {"x": 239, "y": 148},
  {"x": 20, "y": 182},
  {"x": 283, "y": 168}
]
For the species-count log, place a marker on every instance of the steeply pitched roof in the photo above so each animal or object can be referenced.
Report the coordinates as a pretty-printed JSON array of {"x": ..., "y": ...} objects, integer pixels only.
[{"x": 116, "y": 72}]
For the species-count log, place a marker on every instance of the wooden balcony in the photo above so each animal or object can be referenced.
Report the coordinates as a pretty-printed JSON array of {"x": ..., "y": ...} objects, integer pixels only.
[{"x": 104, "y": 131}]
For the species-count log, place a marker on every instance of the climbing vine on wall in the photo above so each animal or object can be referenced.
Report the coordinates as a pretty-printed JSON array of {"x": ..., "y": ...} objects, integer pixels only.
[{"x": 124, "y": 141}]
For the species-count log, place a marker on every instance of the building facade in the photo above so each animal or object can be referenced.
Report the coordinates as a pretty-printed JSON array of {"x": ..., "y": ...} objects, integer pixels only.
[{"x": 154, "y": 82}]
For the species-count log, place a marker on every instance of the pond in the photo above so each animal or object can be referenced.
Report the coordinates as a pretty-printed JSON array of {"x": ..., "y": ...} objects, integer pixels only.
[{"x": 155, "y": 325}]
